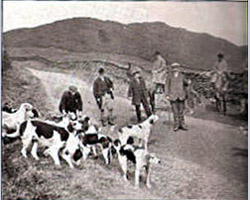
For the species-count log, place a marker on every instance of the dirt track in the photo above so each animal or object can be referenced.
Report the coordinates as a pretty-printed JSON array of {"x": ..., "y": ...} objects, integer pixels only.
[{"x": 204, "y": 162}]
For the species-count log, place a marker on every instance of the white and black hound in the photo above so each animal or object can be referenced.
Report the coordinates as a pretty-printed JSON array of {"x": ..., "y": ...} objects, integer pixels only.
[
  {"x": 140, "y": 131},
  {"x": 92, "y": 137},
  {"x": 139, "y": 156},
  {"x": 7, "y": 108},
  {"x": 105, "y": 142},
  {"x": 12, "y": 121},
  {"x": 53, "y": 137}
]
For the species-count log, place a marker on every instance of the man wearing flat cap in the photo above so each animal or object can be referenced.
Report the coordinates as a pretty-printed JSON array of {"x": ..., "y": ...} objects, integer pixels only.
[
  {"x": 103, "y": 93},
  {"x": 71, "y": 101},
  {"x": 175, "y": 92},
  {"x": 139, "y": 94}
]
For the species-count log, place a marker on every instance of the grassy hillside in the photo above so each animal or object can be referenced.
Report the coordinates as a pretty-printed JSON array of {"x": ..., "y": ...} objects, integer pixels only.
[
  {"x": 86, "y": 35},
  {"x": 20, "y": 86}
]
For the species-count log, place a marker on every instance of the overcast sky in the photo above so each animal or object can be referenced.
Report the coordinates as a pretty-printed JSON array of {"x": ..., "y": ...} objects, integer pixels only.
[{"x": 222, "y": 19}]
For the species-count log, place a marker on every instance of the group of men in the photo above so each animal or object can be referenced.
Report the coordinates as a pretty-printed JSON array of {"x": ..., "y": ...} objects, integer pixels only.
[{"x": 166, "y": 79}]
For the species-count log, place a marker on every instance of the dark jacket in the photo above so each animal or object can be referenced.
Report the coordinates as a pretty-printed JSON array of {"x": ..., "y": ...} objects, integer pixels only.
[
  {"x": 138, "y": 91},
  {"x": 102, "y": 87},
  {"x": 175, "y": 87},
  {"x": 70, "y": 102}
]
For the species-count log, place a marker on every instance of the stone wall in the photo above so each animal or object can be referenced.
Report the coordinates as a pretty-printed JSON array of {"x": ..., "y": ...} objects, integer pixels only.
[{"x": 238, "y": 84}]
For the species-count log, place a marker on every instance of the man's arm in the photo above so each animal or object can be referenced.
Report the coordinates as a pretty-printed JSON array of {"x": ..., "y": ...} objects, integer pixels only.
[
  {"x": 167, "y": 84},
  {"x": 96, "y": 91},
  {"x": 186, "y": 81},
  {"x": 62, "y": 106},
  {"x": 215, "y": 67},
  {"x": 130, "y": 90},
  {"x": 79, "y": 102},
  {"x": 110, "y": 87},
  {"x": 109, "y": 83}
]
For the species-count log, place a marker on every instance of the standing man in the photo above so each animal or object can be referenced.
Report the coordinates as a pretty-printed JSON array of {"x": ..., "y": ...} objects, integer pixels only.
[
  {"x": 158, "y": 79},
  {"x": 158, "y": 71},
  {"x": 220, "y": 65},
  {"x": 139, "y": 94},
  {"x": 103, "y": 93},
  {"x": 220, "y": 80},
  {"x": 71, "y": 101},
  {"x": 175, "y": 92}
]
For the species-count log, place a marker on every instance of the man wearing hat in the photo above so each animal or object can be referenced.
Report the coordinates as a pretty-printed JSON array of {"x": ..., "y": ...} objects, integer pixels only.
[
  {"x": 175, "y": 92},
  {"x": 138, "y": 92},
  {"x": 220, "y": 65},
  {"x": 71, "y": 101},
  {"x": 103, "y": 93}
]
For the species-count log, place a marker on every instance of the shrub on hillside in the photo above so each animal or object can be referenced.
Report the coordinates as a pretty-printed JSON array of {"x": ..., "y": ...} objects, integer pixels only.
[{"x": 6, "y": 61}]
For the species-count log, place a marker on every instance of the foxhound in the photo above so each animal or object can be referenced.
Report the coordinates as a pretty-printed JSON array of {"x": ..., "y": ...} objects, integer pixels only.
[
  {"x": 140, "y": 131},
  {"x": 51, "y": 136},
  {"x": 11, "y": 121},
  {"x": 137, "y": 155}
]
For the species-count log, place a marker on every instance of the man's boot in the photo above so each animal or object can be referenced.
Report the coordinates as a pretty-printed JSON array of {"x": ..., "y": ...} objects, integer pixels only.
[
  {"x": 176, "y": 127},
  {"x": 183, "y": 126},
  {"x": 176, "y": 123}
]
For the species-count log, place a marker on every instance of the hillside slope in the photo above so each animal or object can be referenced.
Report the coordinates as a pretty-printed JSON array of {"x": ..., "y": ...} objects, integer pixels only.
[{"x": 86, "y": 35}]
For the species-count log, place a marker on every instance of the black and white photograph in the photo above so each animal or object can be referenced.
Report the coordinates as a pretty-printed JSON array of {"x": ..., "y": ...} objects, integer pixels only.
[{"x": 124, "y": 100}]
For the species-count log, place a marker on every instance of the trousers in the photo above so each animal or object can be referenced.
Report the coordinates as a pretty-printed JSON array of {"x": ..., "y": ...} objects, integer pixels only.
[
  {"x": 178, "y": 108},
  {"x": 107, "y": 109},
  {"x": 146, "y": 108}
]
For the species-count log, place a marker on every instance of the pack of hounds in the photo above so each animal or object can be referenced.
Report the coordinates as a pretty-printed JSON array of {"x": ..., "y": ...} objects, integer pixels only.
[{"x": 73, "y": 138}]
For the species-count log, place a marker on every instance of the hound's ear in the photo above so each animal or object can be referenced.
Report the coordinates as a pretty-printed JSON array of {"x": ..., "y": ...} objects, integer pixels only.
[
  {"x": 86, "y": 119},
  {"x": 117, "y": 142},
  {"x": 35, "y": 112},
  {"x": 130, "y": 140},
  {"x": 70, "y": 128}
]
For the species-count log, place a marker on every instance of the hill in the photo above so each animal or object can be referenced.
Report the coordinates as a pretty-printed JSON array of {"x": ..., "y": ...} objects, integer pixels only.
[{"x": 85, "y": 35}]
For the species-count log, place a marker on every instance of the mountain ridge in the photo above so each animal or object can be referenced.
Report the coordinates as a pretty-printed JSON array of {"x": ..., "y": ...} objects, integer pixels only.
[{"x": 85, "y": 35}]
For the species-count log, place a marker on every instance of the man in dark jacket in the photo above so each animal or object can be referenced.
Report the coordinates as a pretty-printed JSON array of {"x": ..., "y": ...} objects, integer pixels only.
[
  {"x": 176, "y": 93},
  {"x": 71, "y": 101},
  {"x": 139, "y": 94},
  {"x": 103, "y": 93}
]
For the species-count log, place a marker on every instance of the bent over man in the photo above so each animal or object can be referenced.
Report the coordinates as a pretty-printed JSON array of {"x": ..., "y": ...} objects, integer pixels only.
[
  {"x": 71, "y": 101},
  {"x": 103, "y": 93}
]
